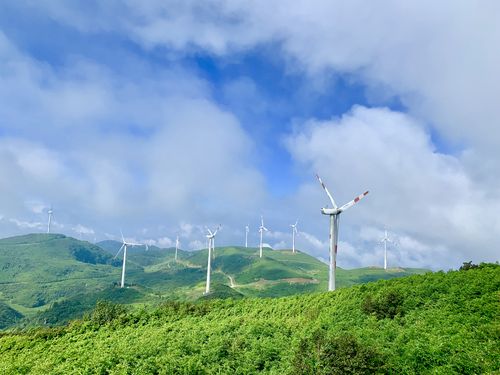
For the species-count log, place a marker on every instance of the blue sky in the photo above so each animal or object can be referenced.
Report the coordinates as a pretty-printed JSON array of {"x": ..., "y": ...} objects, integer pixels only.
[{"x": 163, "y": 117}]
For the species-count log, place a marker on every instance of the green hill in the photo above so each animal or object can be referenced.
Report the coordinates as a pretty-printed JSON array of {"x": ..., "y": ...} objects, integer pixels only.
[
  {"x": 49, "y": 275},
  {"x": 443, "y": 323},
  {"x": 37, "y": 269}
]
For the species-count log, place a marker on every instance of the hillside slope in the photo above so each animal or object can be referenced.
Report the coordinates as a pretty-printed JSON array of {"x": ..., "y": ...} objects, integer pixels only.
[
  {"x": 50, "y": 274},
  {"x": 432, "y": 323},
  {"x": 37, "y": 269}
]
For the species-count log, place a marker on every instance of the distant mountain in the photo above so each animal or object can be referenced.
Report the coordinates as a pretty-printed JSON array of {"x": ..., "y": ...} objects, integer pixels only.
[{"x": 52, "y": 278}]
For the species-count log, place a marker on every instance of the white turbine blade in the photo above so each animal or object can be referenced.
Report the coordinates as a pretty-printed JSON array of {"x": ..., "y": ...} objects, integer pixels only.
[
  {"x": 121, "y": 248},
  {"x": 123, "y": 238},
  {"x": 209, "y": 231},
  {"x": 327, "y": 192},
  {"x": 267, "y": 230},
  {"x": 353, "y": 202},
  {"x": 217, "y": 229},
  {"x": 261, "y": 220}
]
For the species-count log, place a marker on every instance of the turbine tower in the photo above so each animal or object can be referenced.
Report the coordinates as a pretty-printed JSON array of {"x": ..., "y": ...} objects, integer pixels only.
[
  {"x": 294, "y": 232},
  {"x": 247, "y": 229},
  {"x": 385, "y": 240},
  {"x": 125, "y": 244},
  {"x": 262, "y": 228},
  {"x": 176, "y": 247},
  {"x": 49, "y": 212},
  {"x": 211, "y": 246},
  {"x": 334, "y": 214}
]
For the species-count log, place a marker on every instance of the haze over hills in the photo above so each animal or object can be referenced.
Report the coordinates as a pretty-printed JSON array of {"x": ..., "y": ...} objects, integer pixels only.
[{"x": 59, "y": 277}]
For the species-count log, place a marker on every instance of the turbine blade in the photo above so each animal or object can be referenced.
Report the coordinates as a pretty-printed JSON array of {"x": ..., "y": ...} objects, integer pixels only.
[
  {"x": 123, "y": 238},
  {"x": 121, "y": 248},
  {"x": 327, "y": 192},
  {"x": 353, "y": 202}
]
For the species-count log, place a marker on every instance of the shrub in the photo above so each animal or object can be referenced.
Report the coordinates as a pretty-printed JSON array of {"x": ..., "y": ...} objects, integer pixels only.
[
  {"x": 468, "y": 266},
  {"x": 323, "y": 354},
  {"x": 105, "y": 312},
  {"x": 386, "y": 305}
]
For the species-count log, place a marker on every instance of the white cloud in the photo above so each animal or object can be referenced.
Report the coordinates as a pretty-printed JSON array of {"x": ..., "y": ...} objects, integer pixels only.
[
  {"x": 415, "y": 190},
  {"x": 83, "y": 230},
  {"x": 138, "y": 148}
]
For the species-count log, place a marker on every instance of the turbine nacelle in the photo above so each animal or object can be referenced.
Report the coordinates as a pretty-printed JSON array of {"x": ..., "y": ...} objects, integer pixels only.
[{"x": 330, "y": 211}]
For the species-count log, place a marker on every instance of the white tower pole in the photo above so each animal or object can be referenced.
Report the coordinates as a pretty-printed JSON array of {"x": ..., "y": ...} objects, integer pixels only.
[
  {"x": 50, "y": 220},
  {"x": 207, "y": 287},
  {"x": 246, "y": 236},
  {"x": 123, "y": 266},
  {"x": 333, "y": 256},
  {"x": 260, "y": 251}
]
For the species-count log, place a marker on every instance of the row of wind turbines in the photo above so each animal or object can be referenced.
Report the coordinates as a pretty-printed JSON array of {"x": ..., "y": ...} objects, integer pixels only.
[{"x": 334, "y": 216}]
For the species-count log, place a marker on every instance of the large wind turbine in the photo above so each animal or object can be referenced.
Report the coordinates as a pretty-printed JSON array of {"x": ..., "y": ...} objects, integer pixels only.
[
  {"x": 211, "y": 247},
  {"x": 385, "y": 240},
  {"x": 262, "y": 228},
  {"x": 247, "y": 229},
  {"x": 334, "y": 214},
  {"x": 49, "y": 212},
  {"x": 125, "y": 244},
  {"x": 294, "y": 232}
]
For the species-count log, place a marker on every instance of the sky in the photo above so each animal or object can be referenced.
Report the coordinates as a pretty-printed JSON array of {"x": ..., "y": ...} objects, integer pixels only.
[{"x": 160, "y": 117}]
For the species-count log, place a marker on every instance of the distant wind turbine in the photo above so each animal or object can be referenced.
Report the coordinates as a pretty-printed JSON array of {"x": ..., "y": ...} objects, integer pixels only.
[
  {"x": 247, "y": 229},
  {"x": 294, "y": 232},
  {"x": 384, "y": 240},
  {"x": 125, "y": 244},
  {"x": 262, "y": 228},
  {"x": 49, "y": 212},
  {"x": 334, "y": 214},
  {"x": 211, "y": 245}
]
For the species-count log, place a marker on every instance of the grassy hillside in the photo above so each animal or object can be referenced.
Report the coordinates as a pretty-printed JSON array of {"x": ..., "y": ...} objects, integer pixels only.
[
  {"x": 49, "y": 275},
  {"x": 37, "y": 269},
  {"x": 433, "y": 323}
]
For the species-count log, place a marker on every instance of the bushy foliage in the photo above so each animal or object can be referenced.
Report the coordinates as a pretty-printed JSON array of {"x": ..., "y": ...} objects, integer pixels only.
[
  {"x": 8, "y": 315},
  {"x": 468, "y": 266},
  {"x": 324, "y": 354},
  {"x": 105, "y": 312},
  {"x": 449, "y": 325},
  {"x": 387, "y": 304}
]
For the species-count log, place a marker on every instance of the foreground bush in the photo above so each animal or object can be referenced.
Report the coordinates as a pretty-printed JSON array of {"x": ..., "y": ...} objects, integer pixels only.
[{"x": 442, "y": 323}]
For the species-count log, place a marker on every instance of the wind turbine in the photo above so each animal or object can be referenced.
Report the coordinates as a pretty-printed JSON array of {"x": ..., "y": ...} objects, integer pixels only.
[
  {"x": 247, "y": 229},
  {"x": 211, "y": 246},
  {"x": 334, "y": 214},
  {"x": 294, "y": 232},
  {"x": 176, "y": 247},
  {"x": 49, "y": 212},
  {"x": 262, "y": 228},
  {"x": 385, "y": 240},
  {"x": 124, "y": 248}
]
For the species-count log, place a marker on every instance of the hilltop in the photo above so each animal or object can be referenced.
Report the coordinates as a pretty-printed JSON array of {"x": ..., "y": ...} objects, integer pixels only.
[
  {"x": 432, "y": 323},
  {"x": 51, "y": 278}
]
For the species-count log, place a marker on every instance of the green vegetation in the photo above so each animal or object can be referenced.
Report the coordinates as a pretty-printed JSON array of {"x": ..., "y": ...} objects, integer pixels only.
[
  {"x": 440, "y": 322},
  {"x": 50, "y": 278},
  {"x": 8, "y": 316}
]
